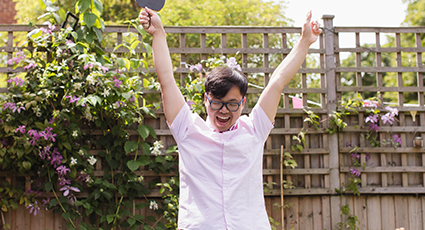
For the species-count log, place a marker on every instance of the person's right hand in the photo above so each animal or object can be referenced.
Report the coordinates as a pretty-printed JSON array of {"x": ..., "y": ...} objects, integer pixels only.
[{"x": 150, "y": 21}]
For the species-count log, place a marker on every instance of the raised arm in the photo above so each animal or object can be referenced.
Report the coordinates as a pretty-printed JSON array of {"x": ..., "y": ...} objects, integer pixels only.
[
  {"x": 172, "y": 97},
  {"x": 269, "y": 99}
]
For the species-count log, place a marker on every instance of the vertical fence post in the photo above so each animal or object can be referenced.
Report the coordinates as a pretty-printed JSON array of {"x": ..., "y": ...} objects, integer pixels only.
[{"x": 331, "y": 106}]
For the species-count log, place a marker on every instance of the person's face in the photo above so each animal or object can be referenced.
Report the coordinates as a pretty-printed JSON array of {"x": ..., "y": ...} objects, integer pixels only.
[{"x": 222, "y": 119}]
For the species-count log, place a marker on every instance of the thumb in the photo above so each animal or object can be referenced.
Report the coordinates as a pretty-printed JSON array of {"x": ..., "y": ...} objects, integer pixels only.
[{"x": 149, "y": 11}]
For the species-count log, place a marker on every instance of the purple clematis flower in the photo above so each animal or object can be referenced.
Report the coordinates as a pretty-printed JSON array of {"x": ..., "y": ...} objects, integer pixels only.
[
  {"x": 63, "y": 181},
  {"x": 397, "y": 139},
  {"x": 73, "y": 99},
  {"x": 118, "y": 83},
  {"x": 104, "y": 69},
  {"x": 231, "y": 63},
  {"x": 30, "y": 66},
  {"x": 90, "y": 65},
  {"x": 21, "y": 129},
  {"x": 374, "y": 127},
  {"x": 49, "y": 29},
  {"x": 62, "y": 170},
  {"x": 197, "y": 67},
  {"x": 34, "y": 208},
  {"x": 372, "y": 118},
  {"x": 56, "y": 158},
  {"x": 387, "y": 118},
  {"x": 17, "y": 80},
  {"x": 355, "y": 172},
  {"x": 67, "y": 188}
]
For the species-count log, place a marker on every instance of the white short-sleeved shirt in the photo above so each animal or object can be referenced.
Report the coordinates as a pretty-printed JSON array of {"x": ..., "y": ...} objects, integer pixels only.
[{"x": 221, "y": 183}]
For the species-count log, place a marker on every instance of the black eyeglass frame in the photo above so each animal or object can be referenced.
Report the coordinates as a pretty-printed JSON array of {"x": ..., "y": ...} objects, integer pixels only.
[{"x": 224, "y": 104}]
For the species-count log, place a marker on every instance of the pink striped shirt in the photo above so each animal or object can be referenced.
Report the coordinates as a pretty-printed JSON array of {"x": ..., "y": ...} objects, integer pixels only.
[{"x": 221, "y": 183}]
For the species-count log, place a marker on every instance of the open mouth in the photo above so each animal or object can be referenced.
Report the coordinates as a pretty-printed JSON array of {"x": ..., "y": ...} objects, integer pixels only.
[{"x": 222, "y": 120}]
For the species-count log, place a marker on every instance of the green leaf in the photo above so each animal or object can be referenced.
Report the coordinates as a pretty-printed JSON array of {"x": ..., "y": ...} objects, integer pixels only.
[
  {"x": 26, "y": 165},
  {"x": 135, "y": 44},
  {"x": 83, "y": 5},
  {"x": 128, "y": 204},
  {"x": 78, "y": 203},
  {"x": 110, "y": 218},
  {"x": 92, "y": 99},
  {"x": 144, "y": 160},
  {"x": 99, "y": 34},
  {"x": 140, "y": 205},
  {"x": 133, "y": 165},
  {"x": 151, "y": 219},
  {"x": 148, "y": 48},
  {"x": 131, "y": 221},
  {"x": 125, "y": 212},
  {"x": 67, "y": 145},
  {"x": 124, "y": 63},
  {"x": 20, "y": 153},
  {"x": 40, "y": 125},
  {"x": 143, "y": 131},
  {"x": 131, "y": 146},
  {"x": 134, "y": 63},
  {"x": 127, "y": 95},
  {"x": 34, "y": 34},
  {"x": 86, "y": 205},
  {"x": 98, "y": 5},
  {"x": 48, "y": 186},
  {"x": 90, "y": 19},
  {"x": 66, "y": 215},
  {"x": 108, "y": 195}
]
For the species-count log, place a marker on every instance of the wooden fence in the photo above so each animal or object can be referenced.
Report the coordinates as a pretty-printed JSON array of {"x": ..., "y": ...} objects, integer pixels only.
[{"x": 393, "y": 180}]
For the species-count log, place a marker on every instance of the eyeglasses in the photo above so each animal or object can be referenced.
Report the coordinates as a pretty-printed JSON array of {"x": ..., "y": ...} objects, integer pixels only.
[{"x": 217, "y": 105}]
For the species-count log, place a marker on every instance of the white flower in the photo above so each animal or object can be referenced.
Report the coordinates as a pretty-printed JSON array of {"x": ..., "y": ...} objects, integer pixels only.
[
  {"x": 89, "y": 179},
  {"x": 105, "y": 93},
  {"x": 58, "y": 52},
  {"x": 156, "y": 152},
  {"x": 73, "y": 161},
  {"x": 91, "y": 80},
  {"x": 75, "y": 133},
  {"x": 88, "y": 115},
  {"x": 158, "y": 145},
  {"x": 140, "y": 179},
  {"x": 78, "y": 85},
  {"x": 92, "y": 160},
  {"x": 81, "y": 152},
  {"x": 153, "y": 205},
  {"x": 156, "y": 149}
]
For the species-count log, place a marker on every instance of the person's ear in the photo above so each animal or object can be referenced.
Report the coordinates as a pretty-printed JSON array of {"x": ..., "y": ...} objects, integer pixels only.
[{"x": 243, "y": 102}]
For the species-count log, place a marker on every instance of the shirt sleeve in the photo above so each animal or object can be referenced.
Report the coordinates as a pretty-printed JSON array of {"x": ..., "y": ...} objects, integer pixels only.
[
  {"x": 261, "y": 122},
  {"x": 181, "y": 123}
]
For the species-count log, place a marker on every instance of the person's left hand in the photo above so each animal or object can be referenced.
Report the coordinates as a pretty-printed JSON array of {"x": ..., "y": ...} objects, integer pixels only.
[{"x": 311, "y": 30}]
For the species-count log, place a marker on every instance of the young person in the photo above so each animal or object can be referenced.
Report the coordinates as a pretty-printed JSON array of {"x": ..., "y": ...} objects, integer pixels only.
[{"x": 220, "y": 160}]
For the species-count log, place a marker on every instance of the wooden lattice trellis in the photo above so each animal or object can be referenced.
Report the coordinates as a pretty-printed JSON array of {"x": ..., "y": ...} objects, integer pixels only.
[{"x": 391, "y": 176}]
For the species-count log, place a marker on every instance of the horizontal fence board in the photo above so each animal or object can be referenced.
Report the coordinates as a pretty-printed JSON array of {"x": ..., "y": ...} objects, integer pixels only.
[
  {"x": 384, "y": 150},
  {"x": 385, "y": 169},
  {"x": 380, "y": 69},
  {"x": 379, "y": 89}
]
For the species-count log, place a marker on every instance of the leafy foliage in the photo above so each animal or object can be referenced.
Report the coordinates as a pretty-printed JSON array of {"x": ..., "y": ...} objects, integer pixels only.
[{"x": 72, "y": 100}]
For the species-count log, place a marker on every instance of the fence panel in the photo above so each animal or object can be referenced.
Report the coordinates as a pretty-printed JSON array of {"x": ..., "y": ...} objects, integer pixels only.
[{"x": 322, "y": 81}]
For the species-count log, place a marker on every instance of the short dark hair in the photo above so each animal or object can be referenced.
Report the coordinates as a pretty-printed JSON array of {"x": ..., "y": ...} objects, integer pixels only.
[{"x": 221, "y": 79}]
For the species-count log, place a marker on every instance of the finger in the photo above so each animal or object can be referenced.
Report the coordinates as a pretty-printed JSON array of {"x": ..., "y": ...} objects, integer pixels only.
[
  {"x": 149, "y": 11},
  {"x": 308, "y": 17},
  {"x": 147, "y": 24}
]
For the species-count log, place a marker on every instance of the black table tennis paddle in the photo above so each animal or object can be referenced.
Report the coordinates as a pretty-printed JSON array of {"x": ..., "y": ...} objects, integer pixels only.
[{"x": 156, "y": 5}]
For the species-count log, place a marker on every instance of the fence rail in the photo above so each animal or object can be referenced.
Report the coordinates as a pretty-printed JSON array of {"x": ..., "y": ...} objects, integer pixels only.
[{"x": 393, "y": 179}]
